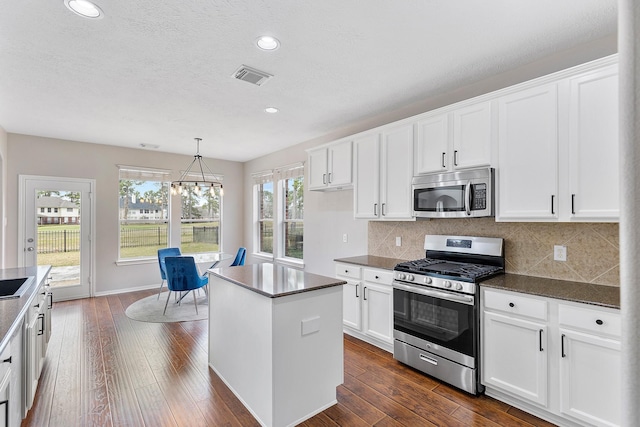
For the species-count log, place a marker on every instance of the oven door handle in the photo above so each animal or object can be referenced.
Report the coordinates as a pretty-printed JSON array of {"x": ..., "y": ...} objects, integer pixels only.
[{"x": 464, "y": 299}]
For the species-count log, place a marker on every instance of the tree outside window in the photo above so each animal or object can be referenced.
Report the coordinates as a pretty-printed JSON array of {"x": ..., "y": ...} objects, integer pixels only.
[
  {"x": 265, "y": 217},
  {"x": 200, "y": 224},
  {"x": 293, "y": 225}
]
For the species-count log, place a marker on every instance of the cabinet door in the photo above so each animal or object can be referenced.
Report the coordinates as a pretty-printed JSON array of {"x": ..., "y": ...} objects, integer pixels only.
[
  {"x": 515, "y": 356},
  {"x": 317, "y": 164},
  {"x": 593, "y": 145},
  {"x": 5, "y": 399},
  {"x": 366, "y": 194},
  {"x": 528, "y": 154},
  {"x": 472, "y": 136},
  {"x": 340, "y": 164},
  {"x": 396, "y": 173},
  {"x": 590, "y": 378},
  {"x": 432, "y": 144},
  {"x": 378, "y": 311},
  {"x": 351, "y": 307}
]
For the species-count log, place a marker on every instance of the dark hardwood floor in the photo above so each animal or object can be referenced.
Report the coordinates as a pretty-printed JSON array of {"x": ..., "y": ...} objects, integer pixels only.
[{"x": 103, "y": 368}]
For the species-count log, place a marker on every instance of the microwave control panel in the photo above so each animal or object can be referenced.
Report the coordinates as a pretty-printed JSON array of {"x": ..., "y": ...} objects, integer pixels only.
[{"x": 479, "y": 199}]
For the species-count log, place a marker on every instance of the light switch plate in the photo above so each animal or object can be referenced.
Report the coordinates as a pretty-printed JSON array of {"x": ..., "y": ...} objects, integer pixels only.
[
  {"x": 559, "y": 253},
  {"x": 345, "y": 238}
]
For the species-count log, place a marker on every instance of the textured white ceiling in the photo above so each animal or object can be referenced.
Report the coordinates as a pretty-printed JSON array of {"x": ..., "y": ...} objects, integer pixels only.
[{"x": 159, "y": 72}]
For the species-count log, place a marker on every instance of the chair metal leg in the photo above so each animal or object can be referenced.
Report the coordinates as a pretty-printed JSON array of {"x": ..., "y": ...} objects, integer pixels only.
[
  {"x": 160, "y": 291},
  {"x": 166, "y": 303},
  {"x": 195, "y": 301}
]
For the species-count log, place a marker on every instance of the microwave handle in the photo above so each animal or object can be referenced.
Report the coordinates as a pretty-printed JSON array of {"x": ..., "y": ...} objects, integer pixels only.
[{"x": 467, "y": 197}]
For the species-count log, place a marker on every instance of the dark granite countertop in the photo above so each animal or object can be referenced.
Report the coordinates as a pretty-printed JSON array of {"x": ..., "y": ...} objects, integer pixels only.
[
  {"x": 12, "y": 310},
  {"x": 372, "y": 261},
  {"x": 588, "y": 293},
  {"x": 275, "y": 280}
]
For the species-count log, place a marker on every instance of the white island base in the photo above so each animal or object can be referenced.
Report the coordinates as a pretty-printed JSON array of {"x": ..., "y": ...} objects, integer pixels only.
[{"x": 282, "y": 357}]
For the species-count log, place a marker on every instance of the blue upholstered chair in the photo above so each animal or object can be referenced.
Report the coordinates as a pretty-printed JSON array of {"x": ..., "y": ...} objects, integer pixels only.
[
  {"x": 240, "y": 256},
  {"x": 162, "y": 254},
  {"x": 183, "y": 276}
]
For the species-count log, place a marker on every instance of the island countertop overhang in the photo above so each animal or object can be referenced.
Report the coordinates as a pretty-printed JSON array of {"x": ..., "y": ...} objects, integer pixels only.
[{"x": 274, "y": 280}]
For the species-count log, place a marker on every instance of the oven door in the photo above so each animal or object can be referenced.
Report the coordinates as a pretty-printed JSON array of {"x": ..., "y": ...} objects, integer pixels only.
[{"x": 446, "y": 319}]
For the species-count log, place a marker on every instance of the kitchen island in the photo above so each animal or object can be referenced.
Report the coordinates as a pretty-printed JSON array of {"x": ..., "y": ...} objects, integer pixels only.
[{"x": 275, "y": 338}]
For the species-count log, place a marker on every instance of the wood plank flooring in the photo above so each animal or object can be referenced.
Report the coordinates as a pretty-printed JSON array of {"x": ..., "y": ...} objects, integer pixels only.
[{"x": 104, "y": 369}]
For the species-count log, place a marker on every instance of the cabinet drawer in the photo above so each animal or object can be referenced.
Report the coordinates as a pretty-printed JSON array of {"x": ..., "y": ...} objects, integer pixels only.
[
  {"x": 590, "y": 319},
  {"x": 513, "y": 303},
  {"x": 382, "y": 277},
  {"x": 348, "y": 270}
]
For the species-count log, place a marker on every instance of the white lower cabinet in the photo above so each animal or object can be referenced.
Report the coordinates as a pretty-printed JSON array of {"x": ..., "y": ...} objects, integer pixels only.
[
  {"x": 367, "y": 304},
  {"x": 11, "y": 382},
  {"x": 558, "y": 360}
]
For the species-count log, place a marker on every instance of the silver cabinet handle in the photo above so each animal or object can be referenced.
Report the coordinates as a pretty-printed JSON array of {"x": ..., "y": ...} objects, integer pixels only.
[
  {"x": 443, "y": 156},
  {"x": 329, "y": 177},
  {"x": 324, "y": 178},
  {"x": 573, "y": 204},
  {"x": 357, "y": 296},
  {"x": 382, "y": 210},
  {"x": 428, "y": 359},
  {"x": 455, "y": 157},
  {"x": 375, "y": 209},
  {"x": 562, "y": 353},
  {"x": 552, "y": 209},
  {"x": 540, "y": 339},
  {"x": 364, "y": 293}
]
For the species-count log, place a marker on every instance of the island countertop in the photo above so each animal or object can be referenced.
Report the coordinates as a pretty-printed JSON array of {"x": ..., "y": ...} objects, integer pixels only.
[{"x": 274, "y": 280}]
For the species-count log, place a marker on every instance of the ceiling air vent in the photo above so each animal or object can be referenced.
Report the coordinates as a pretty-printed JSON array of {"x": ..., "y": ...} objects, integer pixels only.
[{"x": 251, "y": 75}]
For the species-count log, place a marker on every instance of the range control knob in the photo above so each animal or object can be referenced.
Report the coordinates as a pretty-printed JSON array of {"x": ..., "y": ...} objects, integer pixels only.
[
  {"x": 459, "y": 286},
  {"x": 428, "y": 280},
  {"x": 410, "y": 277},
  {"x": 447, "y": 284},
  {"x": 401, "y": 276}
]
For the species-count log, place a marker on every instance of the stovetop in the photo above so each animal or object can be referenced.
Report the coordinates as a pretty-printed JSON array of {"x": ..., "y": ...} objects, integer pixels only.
[{"x": 461, "y": 271}]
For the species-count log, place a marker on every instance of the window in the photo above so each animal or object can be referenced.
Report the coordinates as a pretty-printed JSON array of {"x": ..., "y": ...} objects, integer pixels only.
[
  {"x": 264, "y": 210},
  {"x": 41, "y": 210},
  {"x": 293, "y": 212},
  {"x": 200, "y": 229},
  {"x": 143, "y": 189},
  {"x": 49, "y": 210},
  {"x": 279, "y": 212},
  {"x": 55, "y": 210},
  {"x": 69, "y": 209}
]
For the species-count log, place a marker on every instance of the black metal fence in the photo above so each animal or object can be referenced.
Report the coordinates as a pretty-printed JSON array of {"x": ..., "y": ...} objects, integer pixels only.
[{"x": 52, "y": 241}]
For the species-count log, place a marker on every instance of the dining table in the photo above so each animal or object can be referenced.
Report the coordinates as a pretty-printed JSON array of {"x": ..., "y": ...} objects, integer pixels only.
[{"x": 208, "y": 260}]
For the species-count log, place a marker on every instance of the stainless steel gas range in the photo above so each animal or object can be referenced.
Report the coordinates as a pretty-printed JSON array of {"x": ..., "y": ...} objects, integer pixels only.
[{"x": 436, "y": 307}]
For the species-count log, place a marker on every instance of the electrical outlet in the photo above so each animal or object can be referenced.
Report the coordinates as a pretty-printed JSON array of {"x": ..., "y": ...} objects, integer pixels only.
[
  {"x": 559, "y": 253},
  {"x": 398, "y": 241},
  {"x": 345, "y": 238}
]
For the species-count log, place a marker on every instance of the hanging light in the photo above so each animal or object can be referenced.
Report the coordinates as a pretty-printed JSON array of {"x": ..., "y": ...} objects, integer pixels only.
[{"x": 196, "y": 178}]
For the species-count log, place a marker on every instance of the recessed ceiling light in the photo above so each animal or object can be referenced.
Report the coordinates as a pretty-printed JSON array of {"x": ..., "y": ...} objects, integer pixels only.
[
  {"x": 271, "y": 110},
  {"x": 268, "y": 43},
  {"x": 84, "y": 8}
]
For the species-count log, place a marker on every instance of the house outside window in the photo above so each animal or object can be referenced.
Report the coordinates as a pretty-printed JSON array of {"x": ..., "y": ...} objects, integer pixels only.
[{"x": 140, "y": 190}]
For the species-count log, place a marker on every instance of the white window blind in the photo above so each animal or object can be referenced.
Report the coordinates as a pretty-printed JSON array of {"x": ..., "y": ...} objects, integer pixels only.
[
  {"x": 262, "y": 177},
  {"x": 144, "y": 174},
  {"x": 293, "y": 170}
]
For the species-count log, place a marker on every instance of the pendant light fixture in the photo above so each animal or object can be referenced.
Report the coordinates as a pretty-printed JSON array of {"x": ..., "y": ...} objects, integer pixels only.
[{"x": 196, "y": 178}]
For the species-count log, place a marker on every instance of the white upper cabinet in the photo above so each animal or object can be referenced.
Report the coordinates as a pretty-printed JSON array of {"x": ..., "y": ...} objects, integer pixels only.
[
  {"x": 472, "y": 136},
  {"x": 558, "y": 147},
  {"x": 528, "y": 154},
  {"x": 383, "y": 169},
  {"x": 458, "y": 139},
  {"x": 593, "y": 145},
  {"x": 330, "y": 166}
]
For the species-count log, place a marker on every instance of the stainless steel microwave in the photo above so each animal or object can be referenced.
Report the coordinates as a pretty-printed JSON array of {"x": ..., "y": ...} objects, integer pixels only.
[{"x": 461, "y": 194}]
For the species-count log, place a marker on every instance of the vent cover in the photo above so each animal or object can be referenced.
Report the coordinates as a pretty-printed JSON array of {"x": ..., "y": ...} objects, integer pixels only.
[{"x": 251, "y": 75}]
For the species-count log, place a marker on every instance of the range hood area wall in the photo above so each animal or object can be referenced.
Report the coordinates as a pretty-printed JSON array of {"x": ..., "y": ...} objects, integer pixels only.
[{"x": 592, "y": 248}]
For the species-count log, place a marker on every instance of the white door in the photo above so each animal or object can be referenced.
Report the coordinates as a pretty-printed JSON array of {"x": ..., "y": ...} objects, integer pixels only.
[
  {"x": 590, "y": 373},
  {"x": 396, "y": 173},
  {"x": 528, "y": 153},
  {"x": 56, "y": 216},
  {"x": 515, "y": 356},
  {"x": 378, "y": 311}
]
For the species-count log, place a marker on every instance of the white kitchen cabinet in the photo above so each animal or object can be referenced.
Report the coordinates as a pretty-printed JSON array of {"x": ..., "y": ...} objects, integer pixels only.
[
  {"x": 11, "y": 382},
  {"x": 528, "y": 154},
  {"x": 383, "y": 172},
  {"x": 368, "y": 304},
  {"x": 558, "y": 148},
  {"x": 35, "y": 336},
  {"x": 590, "y": 365},
  {"x": 330, "y": 166},
  {"x": 593, "y": 145},
  {"x": 558, "y": 360},
  {"x": 457, "y": 139}
]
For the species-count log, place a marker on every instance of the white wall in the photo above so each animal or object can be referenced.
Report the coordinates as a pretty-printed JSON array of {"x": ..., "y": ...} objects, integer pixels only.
[
  {"x": 31, "y": 155},
  {"x": 3, "y": 192}
]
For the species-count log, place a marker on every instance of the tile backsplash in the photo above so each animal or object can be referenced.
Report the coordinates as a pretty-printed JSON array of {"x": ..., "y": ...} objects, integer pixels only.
[{"x": 592, "y": 248}]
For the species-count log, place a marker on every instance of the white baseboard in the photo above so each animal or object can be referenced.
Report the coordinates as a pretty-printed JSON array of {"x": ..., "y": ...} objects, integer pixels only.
[{"x": 123, "y": 291}]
